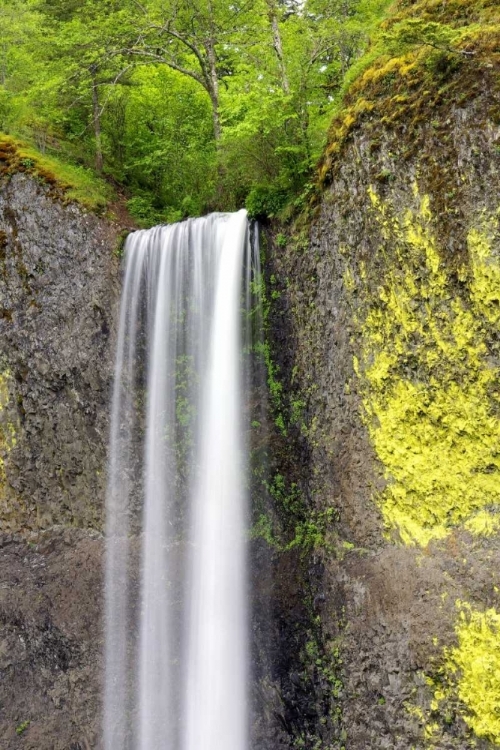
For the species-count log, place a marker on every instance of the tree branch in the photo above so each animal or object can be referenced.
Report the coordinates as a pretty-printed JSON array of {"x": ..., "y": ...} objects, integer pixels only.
[{"x": 170, "y": 63}]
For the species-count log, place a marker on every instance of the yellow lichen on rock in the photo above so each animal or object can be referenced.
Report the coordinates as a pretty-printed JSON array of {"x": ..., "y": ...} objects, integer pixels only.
[
  {"x": 483, "y": 523},
  {"x": 476, "y": 661},
  {"x": 484, "y": 252},
  {"x": 7, "y": 428},
  {"x": 471, "y": 672},
  {"x": 430, "y": 395},
  {"x": 12, "y": 508}
]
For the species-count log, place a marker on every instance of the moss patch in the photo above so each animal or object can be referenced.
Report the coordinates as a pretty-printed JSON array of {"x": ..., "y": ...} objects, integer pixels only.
[
  {"x": 430, "y": 390},
  {"x": 7, "y": 427},
  {"x": 468, "y": 683},
  {"x": 67, "y": 182},
  {"x": 476, "y": 662},
  {"x": 425, "y": 57}
]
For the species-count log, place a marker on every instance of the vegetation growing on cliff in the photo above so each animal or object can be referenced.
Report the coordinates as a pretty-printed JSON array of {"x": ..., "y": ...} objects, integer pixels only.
[
  {"x": 193, "y": 107},
  {"x": 424, "y": 55},
  {"x": 9, "y": 425},
  {"x": 467, "y": 682},
  {"x": 430, "y": 390},
  {"x": 66, "y": 181},
  {"x": 7, "y": 428},
  {"x": 414, "y": 152},
  {"x": 188, "y": 105}
]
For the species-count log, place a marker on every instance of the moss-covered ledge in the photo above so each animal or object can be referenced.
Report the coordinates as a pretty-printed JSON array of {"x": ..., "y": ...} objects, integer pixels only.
[
  {"x": 427, "y": 57},
  {"x": 66, "y": 182}
]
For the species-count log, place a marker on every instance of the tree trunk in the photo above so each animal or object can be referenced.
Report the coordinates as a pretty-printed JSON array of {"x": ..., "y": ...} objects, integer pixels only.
[
  {"x": 213, "y": 90},
  {"x": 96, "y": 114},
  {"x": 278, "y": 46}
]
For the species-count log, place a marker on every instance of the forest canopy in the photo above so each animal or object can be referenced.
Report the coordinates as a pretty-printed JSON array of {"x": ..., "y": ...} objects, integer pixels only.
[{"x": 185, "y": 105}]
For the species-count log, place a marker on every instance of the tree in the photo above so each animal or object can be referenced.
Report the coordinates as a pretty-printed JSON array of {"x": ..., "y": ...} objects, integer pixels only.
[
  {"x": 273, "y": 14},
  {"x": 85, "y": 37},
  {"x": 133, "y": 84},
  {"x": 197, "y": 39}
]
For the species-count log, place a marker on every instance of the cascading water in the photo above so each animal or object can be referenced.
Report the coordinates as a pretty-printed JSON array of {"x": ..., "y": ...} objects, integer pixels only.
[{"x": 176, "y": 581}]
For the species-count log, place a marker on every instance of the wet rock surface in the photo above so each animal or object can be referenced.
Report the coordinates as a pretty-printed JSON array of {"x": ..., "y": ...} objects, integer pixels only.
[
  {"x": 58, "y": 302},
  {"x": 393, "y": 608},
  {"x": 50, "y": 640},
  {"x": 59, "y": 291}
]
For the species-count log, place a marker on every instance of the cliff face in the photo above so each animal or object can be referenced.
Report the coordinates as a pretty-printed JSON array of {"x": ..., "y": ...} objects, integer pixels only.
[
  {"x": 59, "y": 288},
  {"x": 381, "y": 524},
  {"x": 391, "y": 304}
]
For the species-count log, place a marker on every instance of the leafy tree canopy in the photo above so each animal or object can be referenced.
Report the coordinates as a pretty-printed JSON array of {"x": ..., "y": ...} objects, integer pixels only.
[{"x": 189, "y": 105}]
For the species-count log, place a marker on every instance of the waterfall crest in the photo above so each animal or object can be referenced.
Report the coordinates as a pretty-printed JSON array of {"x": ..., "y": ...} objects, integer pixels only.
[{"x": 176, "y": 661}]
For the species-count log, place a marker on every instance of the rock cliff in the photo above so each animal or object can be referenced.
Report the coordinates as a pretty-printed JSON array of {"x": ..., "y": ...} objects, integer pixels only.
[
  {"x": 389, "y": 304},
  {"x": 381, "y": 523},
  {"x": 59, "y": 288}
]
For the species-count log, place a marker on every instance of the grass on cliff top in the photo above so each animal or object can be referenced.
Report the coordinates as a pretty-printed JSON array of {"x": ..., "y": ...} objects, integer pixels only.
[
  {"x": 68, "y": 182},
  {"x": 423, "y": 53}
]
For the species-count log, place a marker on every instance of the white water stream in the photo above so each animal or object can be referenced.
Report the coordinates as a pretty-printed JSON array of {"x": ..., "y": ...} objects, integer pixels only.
[{"x": 176, "y": 659}]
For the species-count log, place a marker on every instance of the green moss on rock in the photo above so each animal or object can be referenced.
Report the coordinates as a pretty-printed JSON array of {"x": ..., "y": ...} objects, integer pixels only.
[
  {"x": 67, "y": 182},
  {"x": 426, "y": 56}
]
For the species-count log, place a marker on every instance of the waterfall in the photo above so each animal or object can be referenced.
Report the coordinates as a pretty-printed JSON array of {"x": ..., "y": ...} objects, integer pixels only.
[{"x": 176, "y": 661}]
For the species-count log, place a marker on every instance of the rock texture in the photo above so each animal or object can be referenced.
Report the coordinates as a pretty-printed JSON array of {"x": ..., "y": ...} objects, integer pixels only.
[
  {"x": 50, "y": 640},
  {"x": 398, "y": 599},
  {"x": 59, "y": 288},
  {"x": 58, "y": 298}
]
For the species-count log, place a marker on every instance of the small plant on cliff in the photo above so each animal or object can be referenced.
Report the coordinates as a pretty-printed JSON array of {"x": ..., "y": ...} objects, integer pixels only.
[
  {"x": 416, "y": 32},
  {"x": 265, "y": 201},
  {"x": 22, "y": 727}
]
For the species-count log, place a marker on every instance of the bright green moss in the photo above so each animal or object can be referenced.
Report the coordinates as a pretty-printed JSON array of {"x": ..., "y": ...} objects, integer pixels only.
[
  {"x": 430, "y": 392},
  {"x": 425, "y": 57},
  {"x": 69, "y": 181}
]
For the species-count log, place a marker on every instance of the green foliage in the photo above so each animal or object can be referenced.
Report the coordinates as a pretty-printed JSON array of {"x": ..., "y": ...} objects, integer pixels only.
[
  {"x": 120, "y": 244},
  {"x": 322, "y": 665},
  {"x": 310, "y": 534},
  {"x": 265, "y": 200},
  {"x": 22, "y": 727},
  {"x": 188, "y": 106},
  {"x": 417, "y": 31},
  {"x": 162, "y": 146},
  {"x": 304, "y": 527}
]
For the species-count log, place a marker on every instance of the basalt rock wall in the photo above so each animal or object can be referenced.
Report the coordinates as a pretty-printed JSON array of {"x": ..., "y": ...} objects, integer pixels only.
[
  {"x": 59, "y": 291},
  {"x": 389, "y": 303}
]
